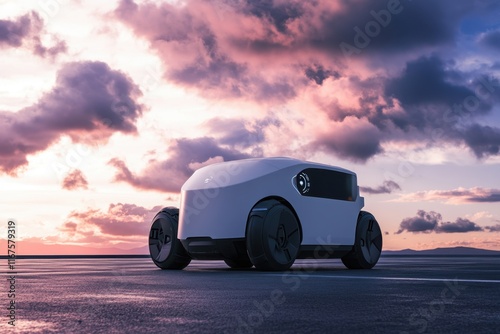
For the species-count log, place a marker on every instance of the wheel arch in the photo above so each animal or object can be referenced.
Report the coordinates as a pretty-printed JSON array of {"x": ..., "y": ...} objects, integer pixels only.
[{"x": 282, "y": 201}]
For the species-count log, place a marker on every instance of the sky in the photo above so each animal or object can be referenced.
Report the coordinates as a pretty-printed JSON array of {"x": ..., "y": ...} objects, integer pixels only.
[{"x": 106, "y": 108}]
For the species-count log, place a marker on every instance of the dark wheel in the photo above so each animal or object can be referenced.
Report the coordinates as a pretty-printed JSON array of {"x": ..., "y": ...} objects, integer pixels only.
[
  {"x": 272, "y": 236},
  {"x": 165, "y": 249},
  {"x": 367, "y": 244},
  {"x": 241, "y": 263}
]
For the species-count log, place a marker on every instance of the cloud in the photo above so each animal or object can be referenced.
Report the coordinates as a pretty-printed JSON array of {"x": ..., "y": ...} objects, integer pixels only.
[
  {"x": 455, "y": 196},
  {"x": 318, "y": 73},
  {"x": 483, "y": 140},
  {"x": 89, "y": 103},
  {"x": 428, "y": 102},
  {"x": 254, "y": 48},
  {"x": 436, "y": 96},
  {"x": 428, "y": 222},
  {"x": 230, "y": 139},
  {"x": 193, "y": 47},
  {"x": 240, "y": 133},
  {"x": 425, "y": 81},
  {"x": 461, "y": 225},
  {"x": 494, "y": 228},
  {"x": 423, "y": 222},
  {"x": 27, "y": 30},
  {"x": 13, "y": 32},
  {"x": 352, "y": 139},
  {"x": 403, "y": 86},
  {"x": 75, "y": 180},
  {"x": 69, "y": 227},
  {"x": 490, "y": 39},
  {"x": 120, "y": 220},
  {"x": 386, "y": 188},
  {"x": 184, "y": 154}
]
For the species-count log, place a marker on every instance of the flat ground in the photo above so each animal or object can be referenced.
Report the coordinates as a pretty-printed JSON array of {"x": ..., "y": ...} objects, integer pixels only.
[{"x": 130, "y": 295}]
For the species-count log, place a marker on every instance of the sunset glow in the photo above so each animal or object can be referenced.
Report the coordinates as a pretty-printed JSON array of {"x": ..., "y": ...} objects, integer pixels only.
[{"x": 106, "y": 108}]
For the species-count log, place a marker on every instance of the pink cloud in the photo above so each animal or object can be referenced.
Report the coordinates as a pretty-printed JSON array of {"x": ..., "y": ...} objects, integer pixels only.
[
  {"x": 75, "y": 180},
  {"x": 169, "y": 175},
  {"x": 121, "y": 220},
  {"x": 396, "y": 88},
  {"x": 454, "y": 196}
]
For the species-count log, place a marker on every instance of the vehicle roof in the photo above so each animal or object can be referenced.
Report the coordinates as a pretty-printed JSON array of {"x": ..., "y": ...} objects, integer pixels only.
[
  {"x": 237, "y": 171},
  {"x": 283, "y": 162}
]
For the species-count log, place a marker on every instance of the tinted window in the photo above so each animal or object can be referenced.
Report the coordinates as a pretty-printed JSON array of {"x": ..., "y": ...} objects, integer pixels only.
[{"x": 316, "y": 182}]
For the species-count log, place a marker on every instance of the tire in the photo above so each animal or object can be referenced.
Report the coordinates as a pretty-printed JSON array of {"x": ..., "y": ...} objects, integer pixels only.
[
  {"x": 273, "y": 236},
  {"x": 368, "y": 243},
  {"x": 165, "y": 249},
  {"x": 241, "y": 263}
]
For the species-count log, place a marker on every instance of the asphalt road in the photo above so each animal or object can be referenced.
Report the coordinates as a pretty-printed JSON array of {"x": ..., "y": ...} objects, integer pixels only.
[{"x": 400, "y": 295}]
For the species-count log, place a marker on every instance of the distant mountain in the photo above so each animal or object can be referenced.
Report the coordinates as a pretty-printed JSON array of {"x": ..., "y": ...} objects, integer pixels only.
[{"x": 445, "y": 251}]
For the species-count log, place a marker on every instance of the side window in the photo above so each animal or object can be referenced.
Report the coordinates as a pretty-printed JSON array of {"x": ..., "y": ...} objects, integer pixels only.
[{"x": 324, "y": 183}]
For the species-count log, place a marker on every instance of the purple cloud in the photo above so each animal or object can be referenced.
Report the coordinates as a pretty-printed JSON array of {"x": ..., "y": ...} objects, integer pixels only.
[
  {"x": 351, "y": 139},
  {"x": 184, "y": 156},
  {"x": 27, "y": 30},
  {"x": 427, "y": 222},
  {"x": 240, "y": 133},
  {"x": 483, "y": 140},
  {"x": 386, "y": 188},
  {"x": 490, "y": 39},
  {"x": 461, "y": 225},
  {"x": 89, "y": 103},
  {"x": 423, "y": 222},
  {"x": 494, "y": 228}
]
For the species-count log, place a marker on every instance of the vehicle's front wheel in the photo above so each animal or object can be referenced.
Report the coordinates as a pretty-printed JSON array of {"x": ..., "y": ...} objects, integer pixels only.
[
  {"x": 165, "y": 249},
  {"x": 272, "y": 236},
  {"x": 367, "y": 244}
]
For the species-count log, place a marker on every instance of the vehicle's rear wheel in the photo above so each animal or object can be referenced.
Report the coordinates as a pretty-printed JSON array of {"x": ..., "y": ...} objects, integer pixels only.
[
  {"x": 165, "y": 249},
  {"x": 241, "y": 263},
  {"x": 367, "y": 244},
  {"x": 272, "y": 236}
]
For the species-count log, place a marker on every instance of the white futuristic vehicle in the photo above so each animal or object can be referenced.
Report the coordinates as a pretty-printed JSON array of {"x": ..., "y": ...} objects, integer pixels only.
[{"x": 267, "y": 213}]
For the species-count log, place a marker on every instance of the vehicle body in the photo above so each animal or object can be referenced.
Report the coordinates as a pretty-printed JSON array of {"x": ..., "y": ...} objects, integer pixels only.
[{"x": 267, "y": 212}]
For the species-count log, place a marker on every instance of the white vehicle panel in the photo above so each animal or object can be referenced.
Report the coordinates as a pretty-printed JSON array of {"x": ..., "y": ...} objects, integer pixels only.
[{"x": 217, "y": 200}]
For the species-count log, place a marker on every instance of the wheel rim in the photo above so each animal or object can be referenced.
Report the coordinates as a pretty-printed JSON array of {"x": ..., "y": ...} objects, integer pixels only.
[
  {"x": 160, "y": 240},
  {"x": 371, "y": 241},
  {"x": 284, "y": 237}
]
